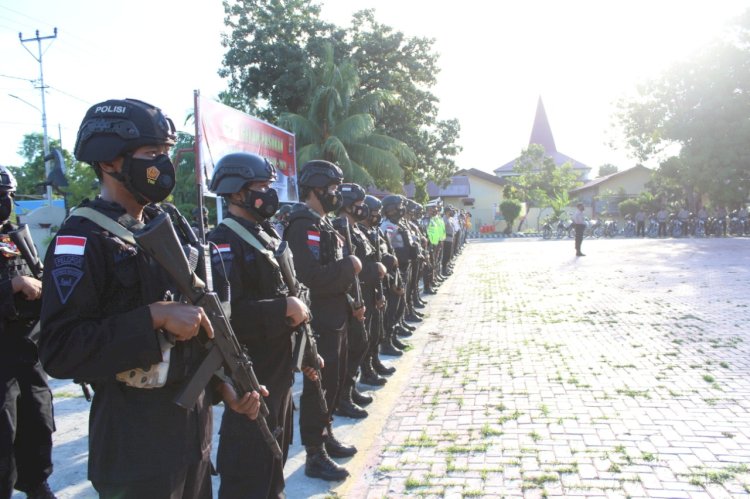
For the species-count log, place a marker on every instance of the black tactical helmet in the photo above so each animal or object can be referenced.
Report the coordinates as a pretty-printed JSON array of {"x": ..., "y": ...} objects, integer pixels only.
[
  {"x": 392, "y": 203},
  {"x": 373, "y": 203},
  {"x": 351, "y": 194},
  {"x": 319, "y": 173},
  {"x": 412, "y": 206},
  {"x": 7, "y": 180},
  {"x": 284, "y": 210},
  {"x": 235, "y": 170},
  {"x": 114, "y": 127}
]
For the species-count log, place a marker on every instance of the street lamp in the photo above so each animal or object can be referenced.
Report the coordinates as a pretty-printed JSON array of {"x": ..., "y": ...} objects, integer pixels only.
[{"x": 25, "y": 102}]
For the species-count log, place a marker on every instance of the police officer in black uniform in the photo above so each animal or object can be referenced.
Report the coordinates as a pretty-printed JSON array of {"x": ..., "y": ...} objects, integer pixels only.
[
  {"x": 394, "y": 210},
  {"x": 353, "y": 211},
  {"x": 322, "y": 267},
  {"x": 27, "y": 423},
  {"x": 371, "y": 227},
  {"x": 109, "y": 318},
  {"x": 246, "y": 273}
]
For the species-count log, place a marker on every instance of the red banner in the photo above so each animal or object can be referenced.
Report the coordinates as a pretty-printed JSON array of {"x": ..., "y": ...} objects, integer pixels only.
[{"x": 227, "y": 130}]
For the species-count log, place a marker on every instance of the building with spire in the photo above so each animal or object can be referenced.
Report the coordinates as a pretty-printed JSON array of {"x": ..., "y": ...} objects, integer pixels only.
[{"x": 541, "y": 133}]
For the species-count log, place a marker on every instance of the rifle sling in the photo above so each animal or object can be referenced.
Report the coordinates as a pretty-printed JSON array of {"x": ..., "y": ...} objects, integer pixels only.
[
  {"x": 105, "y": 223},
  {"x": 250, "y": 239}
]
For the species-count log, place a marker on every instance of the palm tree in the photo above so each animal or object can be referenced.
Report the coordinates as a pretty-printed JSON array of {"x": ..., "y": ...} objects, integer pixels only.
[{"x": 339, "y": 127}]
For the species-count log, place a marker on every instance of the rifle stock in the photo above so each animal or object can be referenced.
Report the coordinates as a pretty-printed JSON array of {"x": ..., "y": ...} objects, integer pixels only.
[{"x": 160, "y": 241}]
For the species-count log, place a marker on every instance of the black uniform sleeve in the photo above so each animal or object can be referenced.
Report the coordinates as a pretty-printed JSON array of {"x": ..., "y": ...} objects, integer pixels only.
[
  {"x": 250, "y": 317},
  {"x": 7, "y": 309},
  {"x": 322, "y": 279},
  {"x": 77, "y": 339}
]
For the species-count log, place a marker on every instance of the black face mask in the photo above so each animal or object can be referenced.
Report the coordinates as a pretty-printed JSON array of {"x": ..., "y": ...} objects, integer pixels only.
[
  {"x": 395, "y": 216},
  {"x": 376, "y": 219},
  {"x": 148, "y": 180},
  {"x": 330, "y": 201},
  {"x": 262, "y": 204},
  {"x": 360, "y": 212},
  {"x": 6, "y": 208}
]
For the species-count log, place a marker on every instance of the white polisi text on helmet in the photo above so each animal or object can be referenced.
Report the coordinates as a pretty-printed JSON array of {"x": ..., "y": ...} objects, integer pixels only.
[{"x": 111, "y": 109}]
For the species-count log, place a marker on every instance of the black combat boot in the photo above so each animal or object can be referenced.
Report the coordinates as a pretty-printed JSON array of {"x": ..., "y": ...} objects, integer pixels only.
[
  {"x": 41, "y": 491},
  {"x": 398, "y": 343},
  {"x": 319, "y": 465},
  {"x": 402, "y": 332},
  {"x": 418, "y": 313},
  {"x": 348, "y": 409},
  {"x": 419, "y": 304},
  {"x": 380, "y": 368},
  {"x": 336, "y": 448},
  {"x": 370, "y": 377},
  {"x": 411, "y": 317},
  {"x": 361, "y": 399},
  {"x": 387, "y": 348},
  {"x": 406, "y": 326}
]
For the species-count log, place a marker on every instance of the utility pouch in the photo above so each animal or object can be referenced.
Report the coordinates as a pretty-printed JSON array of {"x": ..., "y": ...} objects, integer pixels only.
[{"x": 156, "y": 375}]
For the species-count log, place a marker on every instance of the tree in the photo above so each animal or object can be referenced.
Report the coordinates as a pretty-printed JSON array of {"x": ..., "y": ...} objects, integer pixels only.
[
  {"x": 510, "y": 208},
  {"x": 606, "y": 169},
  {"x": 82, "y": 181},
  {"x": 272, "y": 46},
  {"x": 339, "y": 126},
  {"x": 629, "y": 207},
  {"x": 407, "y": 67},
  {"x": 694, "y": 120},
  {"x": 539, "y": 179},
  {"x": 269, "y": 46}
]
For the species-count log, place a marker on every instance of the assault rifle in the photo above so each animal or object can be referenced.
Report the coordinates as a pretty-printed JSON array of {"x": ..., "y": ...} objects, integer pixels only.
[
  {"x": 21, "y": 237},
  {"x": 158, "y": 239},
  {"x": 306, "y": 349},
  {"x": 380, "y": 293},
  {"x": 342, "y": 224}
]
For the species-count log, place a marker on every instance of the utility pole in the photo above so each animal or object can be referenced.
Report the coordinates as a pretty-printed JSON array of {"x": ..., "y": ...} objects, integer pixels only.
[{"x": 38, "y": 58}]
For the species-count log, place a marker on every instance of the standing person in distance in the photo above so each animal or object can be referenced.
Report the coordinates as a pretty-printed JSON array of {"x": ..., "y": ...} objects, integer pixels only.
[
  {"x": 661, "y": 216},
  {"x": 579, "y": 223},
  {"x": 27, "y": 421},
  {"x": 355, "y": 211},
  {"x": 111, "y": 318},
  {"x": 263, "y": 316},
  {"x": 640, "y": 222},
  {"x": 371, "y": 227},
  {"x": 321, "y": 266}
]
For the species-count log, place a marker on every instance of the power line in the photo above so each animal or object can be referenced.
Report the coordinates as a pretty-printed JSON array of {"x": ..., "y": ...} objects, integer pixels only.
[
  {"x": 16, "y": 78},
  {"x": 69, "y": 95}
]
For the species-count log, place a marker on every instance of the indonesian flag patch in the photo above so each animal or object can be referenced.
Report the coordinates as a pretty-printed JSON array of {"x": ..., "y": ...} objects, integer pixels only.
[
  {"x": 313, "y": 238},
  {"x": 222, "y": 248},
  {"x": 70, "y": 245},
  {"x": 313, "y": 243}
]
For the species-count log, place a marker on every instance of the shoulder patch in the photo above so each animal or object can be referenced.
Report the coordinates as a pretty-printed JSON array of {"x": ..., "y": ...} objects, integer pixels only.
[
  {"x": 221, "y": 248},
  {"x": 66, "y": 279},
  {"x": 313, "y": 242},
  {"x": 70, "y": 245}
]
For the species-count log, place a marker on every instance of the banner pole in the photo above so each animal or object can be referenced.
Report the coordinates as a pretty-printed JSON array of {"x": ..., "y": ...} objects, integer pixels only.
[{"x": 199, "y": 163}]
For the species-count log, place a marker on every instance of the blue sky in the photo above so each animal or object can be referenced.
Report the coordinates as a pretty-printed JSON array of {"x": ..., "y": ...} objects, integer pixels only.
[{"x": 496, "y": 59}]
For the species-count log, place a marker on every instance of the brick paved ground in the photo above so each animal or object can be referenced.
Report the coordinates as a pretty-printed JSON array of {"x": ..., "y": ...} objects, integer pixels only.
[{"x": 620, "y": 374}]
